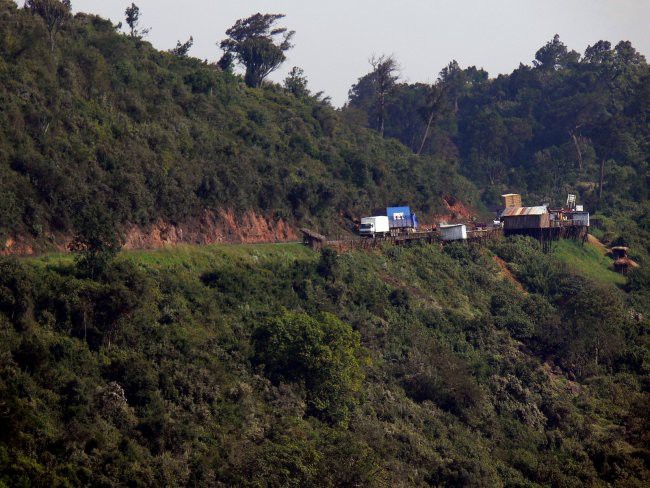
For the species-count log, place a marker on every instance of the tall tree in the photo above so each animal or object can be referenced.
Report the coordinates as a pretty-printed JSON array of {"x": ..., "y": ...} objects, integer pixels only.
[
  {"x": 433, "y": 108},
  {"x": 454, "y": 80},
  {"x": 258, "y": 45},
  {"x": 96, "y": 241},
  {"x": 54, "y": 14},
  {"x": 441, "y": 95},
  {"x": 384, "y": 71},
  {"x": 132, "y": 14},
  {"x": 554, "y": 55},
  {"x": 372, "y": 91}
]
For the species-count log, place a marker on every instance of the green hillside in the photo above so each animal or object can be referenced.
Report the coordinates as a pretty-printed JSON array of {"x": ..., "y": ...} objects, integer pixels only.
[
  {"x": 276, "y": 365},
  {"x": 107, "y": 124}
]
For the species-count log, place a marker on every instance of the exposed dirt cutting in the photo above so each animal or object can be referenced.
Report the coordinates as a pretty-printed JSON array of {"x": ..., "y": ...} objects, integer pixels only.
[
  {"x": 220, "y": 226},
  {"x": 507, "y": 274}
]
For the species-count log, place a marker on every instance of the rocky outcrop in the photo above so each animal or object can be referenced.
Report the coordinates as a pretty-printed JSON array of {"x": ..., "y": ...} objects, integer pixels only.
[{"x": 453, "y": 210}]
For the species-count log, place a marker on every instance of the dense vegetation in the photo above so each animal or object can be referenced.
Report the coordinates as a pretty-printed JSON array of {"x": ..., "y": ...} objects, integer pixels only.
[
  {"x": 278, "y": 366},
  {"x": 274, "y": 365},
  {"x": 104, "y": 120}
]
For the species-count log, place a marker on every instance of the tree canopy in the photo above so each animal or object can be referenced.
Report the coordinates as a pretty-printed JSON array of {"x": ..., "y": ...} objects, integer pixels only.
[
  {"x": 373, "y": 90},
  {"x": 53, "y": 12},
  {"x": 322, "y": 352},
  {"x": 259, "y": 45},
  {"x": 182, "y": 49},
  {"x": 296, "y": 82}
]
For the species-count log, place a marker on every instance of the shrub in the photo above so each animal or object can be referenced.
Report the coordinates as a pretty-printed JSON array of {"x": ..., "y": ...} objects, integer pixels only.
[{"x": 322, "y": 352}]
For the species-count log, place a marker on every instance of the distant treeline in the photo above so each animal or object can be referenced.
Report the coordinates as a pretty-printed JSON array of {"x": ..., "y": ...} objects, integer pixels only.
[{"x": 568, "y": 123}]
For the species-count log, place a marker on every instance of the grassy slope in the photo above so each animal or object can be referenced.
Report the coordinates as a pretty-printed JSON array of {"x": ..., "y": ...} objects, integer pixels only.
[
  {"x": 587, "y": 260},
  {"x": 193, "y": 257},
  {"x": 439, "y": 292}
]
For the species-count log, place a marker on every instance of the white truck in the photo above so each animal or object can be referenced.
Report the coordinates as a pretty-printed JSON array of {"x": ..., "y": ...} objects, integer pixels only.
[{"x": 374, "y": 226}]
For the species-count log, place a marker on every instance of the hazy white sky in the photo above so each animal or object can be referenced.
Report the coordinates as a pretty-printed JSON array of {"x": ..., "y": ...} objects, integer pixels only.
[{"x": 335, "y": 38}]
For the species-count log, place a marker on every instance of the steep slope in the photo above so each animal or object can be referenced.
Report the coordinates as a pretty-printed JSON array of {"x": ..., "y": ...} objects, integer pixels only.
[{"x": 107, "y": 123}]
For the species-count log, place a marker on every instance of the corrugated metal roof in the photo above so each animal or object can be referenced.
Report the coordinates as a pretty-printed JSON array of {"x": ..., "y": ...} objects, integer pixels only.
[{"x": 518, "y": 211}]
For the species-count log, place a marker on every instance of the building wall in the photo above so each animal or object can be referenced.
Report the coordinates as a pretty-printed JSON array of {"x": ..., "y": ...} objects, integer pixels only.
[
  {"x": 453, "y": 233},
  {"x": 527, "y": 222}
]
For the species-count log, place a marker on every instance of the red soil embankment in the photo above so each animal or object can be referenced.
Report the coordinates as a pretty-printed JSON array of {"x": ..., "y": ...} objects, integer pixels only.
[
  {"x": 16, "y": 246},
  {"x": 221, "y": 226},
  {"x": 457, "y": 211}
]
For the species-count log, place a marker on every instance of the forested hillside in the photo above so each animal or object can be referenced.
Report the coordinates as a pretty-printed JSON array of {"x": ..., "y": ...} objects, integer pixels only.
[
  {"x": 278, "y": 366},
  {"x": 565, "y": 124},
  {"x": 100, "y": 122}
]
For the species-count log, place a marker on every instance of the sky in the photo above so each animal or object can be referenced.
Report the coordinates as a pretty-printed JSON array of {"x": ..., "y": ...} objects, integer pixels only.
[{"x": 335, "y": 39}]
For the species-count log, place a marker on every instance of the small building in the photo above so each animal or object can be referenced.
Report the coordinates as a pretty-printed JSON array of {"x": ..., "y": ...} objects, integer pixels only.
[
  {"x": 511, "y": 200},
  {"x": 452, "y": 232},
  {"x": 580, "y": 218},
  {"x": 313, "y": 239},
  {"x": 522, "y": 218}
]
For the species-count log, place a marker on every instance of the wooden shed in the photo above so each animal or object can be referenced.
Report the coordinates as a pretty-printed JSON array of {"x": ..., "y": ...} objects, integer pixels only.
[
  {"x": 522, "y": 218},
  {"x": 313, "y": 239}
]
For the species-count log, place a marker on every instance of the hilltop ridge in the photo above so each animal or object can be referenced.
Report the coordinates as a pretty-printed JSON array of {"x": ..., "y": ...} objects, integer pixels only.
[{"x": 106, "y": 123}]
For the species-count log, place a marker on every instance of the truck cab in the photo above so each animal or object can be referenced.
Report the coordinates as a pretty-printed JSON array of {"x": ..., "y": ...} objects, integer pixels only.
[{"x": 374, "y": 226}]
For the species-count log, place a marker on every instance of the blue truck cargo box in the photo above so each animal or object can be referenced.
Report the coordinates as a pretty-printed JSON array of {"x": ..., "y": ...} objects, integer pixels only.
[
  {"x": 398, "y": 211},
  {"x": 401, "y": 218}
]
